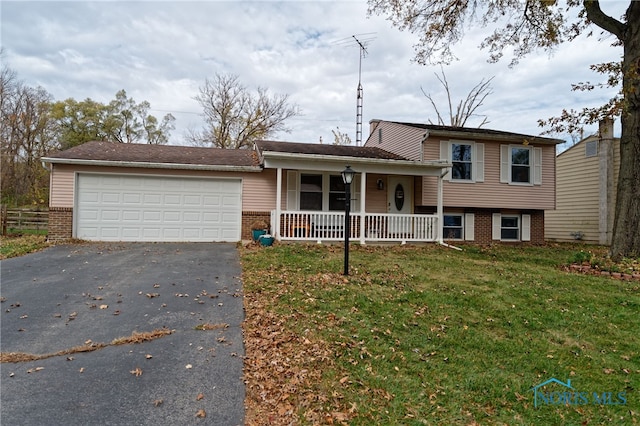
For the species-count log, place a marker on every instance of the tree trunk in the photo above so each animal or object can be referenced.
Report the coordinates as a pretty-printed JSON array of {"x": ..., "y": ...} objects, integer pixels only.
[{"x": 626, "y": 229}]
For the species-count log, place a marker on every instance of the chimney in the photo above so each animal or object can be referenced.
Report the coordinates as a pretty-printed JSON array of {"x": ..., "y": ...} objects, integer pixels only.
[{"x": 605, "y": 128}]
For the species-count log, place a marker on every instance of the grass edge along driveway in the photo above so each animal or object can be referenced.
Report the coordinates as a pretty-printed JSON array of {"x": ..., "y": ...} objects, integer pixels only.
[{"x": 430, "y": 335}]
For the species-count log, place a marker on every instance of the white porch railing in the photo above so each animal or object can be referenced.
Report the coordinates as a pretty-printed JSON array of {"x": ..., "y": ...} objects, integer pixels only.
[{"x": 381, "y": 227}]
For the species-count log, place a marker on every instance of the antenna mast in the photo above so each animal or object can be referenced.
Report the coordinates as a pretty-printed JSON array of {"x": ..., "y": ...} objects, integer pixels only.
[{"x": 359, "y": 96}]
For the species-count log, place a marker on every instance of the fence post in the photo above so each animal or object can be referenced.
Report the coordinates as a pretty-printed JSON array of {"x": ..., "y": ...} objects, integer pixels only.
[{"x": 3, "y": 213}]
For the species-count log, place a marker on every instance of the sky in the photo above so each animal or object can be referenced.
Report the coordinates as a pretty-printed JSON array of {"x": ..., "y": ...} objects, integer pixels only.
[{"x": 163, "y": 51}]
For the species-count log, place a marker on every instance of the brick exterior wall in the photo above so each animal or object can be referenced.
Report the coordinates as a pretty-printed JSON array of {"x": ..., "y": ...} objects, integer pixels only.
[
  {"x": 60, "y": 223},
  {"x": 248, "y": 217},
  {"x": 483, "y": 228}
]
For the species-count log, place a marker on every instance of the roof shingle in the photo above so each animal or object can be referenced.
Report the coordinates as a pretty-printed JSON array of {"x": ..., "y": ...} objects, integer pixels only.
[
  {"x": 169, "y": 154},
  {"x": 320, "y": 149}
]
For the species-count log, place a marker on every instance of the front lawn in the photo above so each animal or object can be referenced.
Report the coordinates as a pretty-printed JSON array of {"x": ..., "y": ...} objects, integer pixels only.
[{"x": 430, "y": 335}]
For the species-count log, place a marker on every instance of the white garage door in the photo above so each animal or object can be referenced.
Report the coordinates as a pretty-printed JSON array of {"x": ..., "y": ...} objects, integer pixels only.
[{"x": 152, "y": 208}]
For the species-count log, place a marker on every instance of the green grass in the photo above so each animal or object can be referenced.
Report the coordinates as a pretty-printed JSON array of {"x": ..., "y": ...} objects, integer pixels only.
[
  {"x": 13, "y": 246},
  {"x": 429, "y": 335}
]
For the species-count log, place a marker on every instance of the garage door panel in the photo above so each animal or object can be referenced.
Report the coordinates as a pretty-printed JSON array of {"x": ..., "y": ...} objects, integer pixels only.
[
  {"x": 151, "y": 208},
  {"x": 150, "y": 198}
]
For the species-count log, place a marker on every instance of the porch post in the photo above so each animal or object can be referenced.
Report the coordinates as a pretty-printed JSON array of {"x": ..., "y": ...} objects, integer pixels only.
[
  {"x": 439, "y": 211},
  {"x": 276, "y": 226},
  {"x": 363, "y": 202}
]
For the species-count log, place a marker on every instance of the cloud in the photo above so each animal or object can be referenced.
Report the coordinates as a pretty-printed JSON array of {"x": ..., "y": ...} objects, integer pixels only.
[{"x": 163, "y": 51}]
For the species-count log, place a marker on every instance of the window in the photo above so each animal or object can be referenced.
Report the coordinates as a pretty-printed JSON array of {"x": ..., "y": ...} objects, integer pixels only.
[
  {"x": 319, "y": 192},
  {"x": 520, "y": 165},
  {"x": 453, "y": 227},
  {"x": 462, "y": 162},
  {"x": 336, "y": 193},
  {"x": 591, "y": 149},
  {"x": 310, "y": 192},
  {"x": 466, "y": 158},
  {"x": 510, "y": 228}
]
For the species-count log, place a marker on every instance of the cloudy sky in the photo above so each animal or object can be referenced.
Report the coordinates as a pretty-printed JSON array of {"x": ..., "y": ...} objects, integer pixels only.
[{"x": 163, "y": 51}]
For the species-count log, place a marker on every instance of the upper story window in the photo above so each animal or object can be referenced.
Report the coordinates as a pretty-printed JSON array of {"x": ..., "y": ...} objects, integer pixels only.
[
  {"x": 520, "y": 165},
  {"x": 462, "y": 161},
  {"x": 466, "y": 158},
  {"x": 591, "y": 149}
]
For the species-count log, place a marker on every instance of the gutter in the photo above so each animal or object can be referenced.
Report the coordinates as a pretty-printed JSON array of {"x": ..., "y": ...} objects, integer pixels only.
[
  {"x": 355, "y": 160},
  {"x": 149, "y": 165}
]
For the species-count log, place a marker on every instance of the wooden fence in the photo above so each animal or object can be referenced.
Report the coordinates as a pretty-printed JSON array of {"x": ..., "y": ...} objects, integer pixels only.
[{"x": 23, "y": 219}]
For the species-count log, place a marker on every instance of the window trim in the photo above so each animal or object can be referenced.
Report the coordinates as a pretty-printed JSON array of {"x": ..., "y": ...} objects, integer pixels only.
[
  {"x": 477, "y": 159},
  {"x": 524, "y": 227},
  {"x": 529, "y": 165},
  {"x": 535, "y": 165},
  {"x": 295, "y": 183},
  {"x": 510, "y": 228},
  {"x": 461, "y": 227}
]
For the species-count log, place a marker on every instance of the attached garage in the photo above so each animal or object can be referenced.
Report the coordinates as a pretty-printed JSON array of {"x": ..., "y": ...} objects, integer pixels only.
[
  {"x": 105, "y": 191},
  {"x": 112, "y": 207}
]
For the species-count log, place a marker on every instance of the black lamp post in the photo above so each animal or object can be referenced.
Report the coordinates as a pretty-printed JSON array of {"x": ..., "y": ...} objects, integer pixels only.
[{"x": 347, "y": 178}]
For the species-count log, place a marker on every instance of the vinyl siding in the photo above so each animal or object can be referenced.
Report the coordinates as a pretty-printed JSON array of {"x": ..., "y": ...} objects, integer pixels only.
[
  {"x": 258, "y": 189},
  {"x": 491, "y": 193},
  {"x": 578, "y": 195},
  {"x": 397, "y": 138}
]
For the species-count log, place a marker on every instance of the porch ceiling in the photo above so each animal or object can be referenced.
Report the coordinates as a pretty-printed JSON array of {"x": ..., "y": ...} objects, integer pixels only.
[{"x": 337, "y": 163}]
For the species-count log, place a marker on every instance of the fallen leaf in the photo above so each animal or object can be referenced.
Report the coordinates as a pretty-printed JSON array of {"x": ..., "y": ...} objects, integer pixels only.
[
  {"x": 81, "y": 370},
  {"x": 104, "y": 306},
  {"x": 158, "y": 402},
  {"x": 199, "y": 397},
  {"x": 201, "y": 413},
  {"x": 137, "y": 372}
]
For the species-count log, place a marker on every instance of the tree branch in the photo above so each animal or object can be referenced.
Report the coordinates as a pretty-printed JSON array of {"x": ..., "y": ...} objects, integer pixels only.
[{"x": 604, "y": 21}]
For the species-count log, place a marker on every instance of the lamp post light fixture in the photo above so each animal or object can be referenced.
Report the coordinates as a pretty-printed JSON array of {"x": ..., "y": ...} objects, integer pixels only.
[{"x": 347, "y": 177}]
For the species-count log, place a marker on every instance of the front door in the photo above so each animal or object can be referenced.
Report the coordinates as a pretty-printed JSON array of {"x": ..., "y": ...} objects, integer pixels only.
[
  {"x": 399, "y": 201},
  {"x": 400, "y": 195}
]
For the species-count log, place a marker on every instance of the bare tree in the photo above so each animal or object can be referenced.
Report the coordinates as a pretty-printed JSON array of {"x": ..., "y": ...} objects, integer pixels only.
[
  {"x": 340, "y": 138},
  {"x": 466, "y": 108},
  {"x": 235, "y": 117},
  {"x": 26, "y": 134}
]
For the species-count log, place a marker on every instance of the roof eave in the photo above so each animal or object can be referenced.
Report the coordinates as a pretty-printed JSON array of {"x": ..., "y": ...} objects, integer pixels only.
[
  {"x": 152, "y": 165},
  {"x": 501, "y": 138}
]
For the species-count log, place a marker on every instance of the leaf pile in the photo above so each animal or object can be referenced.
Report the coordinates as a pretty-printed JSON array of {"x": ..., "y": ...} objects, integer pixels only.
[{"x": 282, "y": 369}]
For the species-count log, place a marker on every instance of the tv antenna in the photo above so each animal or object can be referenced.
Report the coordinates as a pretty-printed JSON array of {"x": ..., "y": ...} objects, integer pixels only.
[{"x": 360, "y": 40}]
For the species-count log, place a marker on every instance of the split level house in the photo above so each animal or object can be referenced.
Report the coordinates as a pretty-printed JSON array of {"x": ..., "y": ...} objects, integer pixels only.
[
  {"x": 586, "y": 182},
  {"x": 413, "y": 183}
]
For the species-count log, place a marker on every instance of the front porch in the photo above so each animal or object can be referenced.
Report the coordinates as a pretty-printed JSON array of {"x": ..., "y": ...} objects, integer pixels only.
[{"x": 363, "y": 227}]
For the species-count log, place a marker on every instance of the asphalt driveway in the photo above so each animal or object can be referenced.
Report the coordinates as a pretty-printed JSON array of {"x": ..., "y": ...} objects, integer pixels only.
[{"x": 73, "y": 295}]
